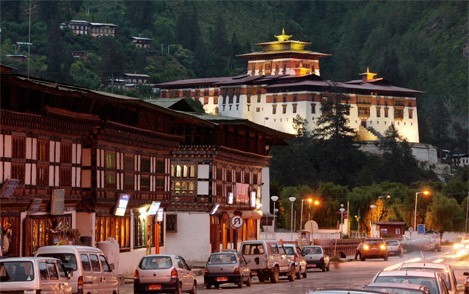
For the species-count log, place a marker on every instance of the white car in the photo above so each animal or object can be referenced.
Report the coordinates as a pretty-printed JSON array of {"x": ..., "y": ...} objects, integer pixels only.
[
  {"x": 446, "y": 269},
  {"x": 394, "y": 248},
  {"x": 433, "y": 280},
  {"x": 33, "y": 275},
  {"x": 294, "y": 252}
]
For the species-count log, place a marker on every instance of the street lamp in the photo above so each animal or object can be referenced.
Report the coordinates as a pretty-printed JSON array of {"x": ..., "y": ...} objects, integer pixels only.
[
  {"x": 384, "y": 197},
  {"x": 342, "y": 209},
  {"x": 292, "y": 199},
  {"x": 316, "y": 203},
  {"x": 301, "y": 213},
  {"x": 415, "y": 210},
  {"x": 274, "y": 199}
]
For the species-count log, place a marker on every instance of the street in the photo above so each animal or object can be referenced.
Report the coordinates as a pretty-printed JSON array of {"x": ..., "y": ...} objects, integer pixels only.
[{"x": 350, "y": 274}]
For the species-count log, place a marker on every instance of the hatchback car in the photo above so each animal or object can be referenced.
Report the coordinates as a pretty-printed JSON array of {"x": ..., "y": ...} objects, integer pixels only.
[
  {"x": 294, "y": 252},
  {"x": 316, "y": 257},
  {"x": 33, "y": 275},
  {"x": 226, "y": 267},
  {"x": 433, "y": 280},
  {"x": 394, "y": 248},
  {"x": 372, "y": 248},
  {"x": 164, "y": 273},
  {"x": 446, "y": 269}
]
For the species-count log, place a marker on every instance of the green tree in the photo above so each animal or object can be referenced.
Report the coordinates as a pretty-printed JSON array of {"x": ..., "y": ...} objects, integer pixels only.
[
  {"x": 445, "y": 214},
  {"x": 300, "y": 126},
  {"x": 83, "y": 76},
  {"x": 112, "y": 56},
  {"x": 140, "y": 13}
]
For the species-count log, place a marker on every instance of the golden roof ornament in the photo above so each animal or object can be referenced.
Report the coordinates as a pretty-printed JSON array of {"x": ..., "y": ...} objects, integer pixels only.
[
  {"x": 368, "y": 75},
  {"x": 283, "y": 37}
]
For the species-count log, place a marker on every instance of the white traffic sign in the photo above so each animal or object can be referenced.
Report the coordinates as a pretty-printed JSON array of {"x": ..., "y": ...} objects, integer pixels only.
[{"x": 237, "y": 221}]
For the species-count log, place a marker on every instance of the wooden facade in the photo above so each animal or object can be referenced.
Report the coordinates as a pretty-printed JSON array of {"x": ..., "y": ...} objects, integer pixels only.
[{"x": 96, "y": 147}]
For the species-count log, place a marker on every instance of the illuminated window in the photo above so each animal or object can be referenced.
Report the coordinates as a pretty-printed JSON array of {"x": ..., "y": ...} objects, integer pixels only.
[
  {"x": 43, "y": 150},
  {"x": 117, "y": 227},
  {"x": 178, "y": 171},
  {"x": 110, "y": 160}
]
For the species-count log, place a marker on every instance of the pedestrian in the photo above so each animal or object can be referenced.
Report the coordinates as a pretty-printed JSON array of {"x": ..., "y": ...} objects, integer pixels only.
[{"x": 6, "y": 242}]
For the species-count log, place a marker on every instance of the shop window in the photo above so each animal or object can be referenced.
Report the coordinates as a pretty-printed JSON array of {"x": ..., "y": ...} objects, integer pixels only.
[
  {"x": 117, "y": 227},
  {"x": 141, "y": 234},
  {"x": 38, "y": 231}
]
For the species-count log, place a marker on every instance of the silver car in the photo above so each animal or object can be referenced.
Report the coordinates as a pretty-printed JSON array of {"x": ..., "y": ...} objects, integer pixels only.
[
  {"x": 227, "y": 267},
  {"x": 433, "y": 280},
  {"x": 316, "y": 257},
  {"x": 294, "y": 252},
  {"x": 164, "y": 273},
  {"x": 33, "y": 275}
]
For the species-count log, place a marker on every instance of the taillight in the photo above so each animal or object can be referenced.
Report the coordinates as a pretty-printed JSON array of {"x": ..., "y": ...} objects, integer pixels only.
[
  {"x": 174, "y": 274},
  {"x": 236, "y": 270},
  {"x": 136, "y": 275},
  {"x": 80, "y": 285}
]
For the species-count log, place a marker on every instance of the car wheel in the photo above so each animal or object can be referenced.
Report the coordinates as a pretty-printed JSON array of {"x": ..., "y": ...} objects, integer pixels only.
[
  {"x": 208, "y": 286},
  {"x": 248, "y": 282},
  {"x": 305, "y": 274},
  {"x": 298, "y": 274},
  {"x": 194, "y": 288},
  {"x": 275, "y": 275},
  {"x": 328, "y": 265},
  {"x": 291, "y": 275},
  {"x": 241, "y": 282},
  {"x": 324, "y": 268},
  {"x": 178, "y": 289}
]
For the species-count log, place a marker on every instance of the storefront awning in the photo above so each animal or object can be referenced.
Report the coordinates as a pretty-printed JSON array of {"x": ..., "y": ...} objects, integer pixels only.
[{"x": 253, "y": 214}]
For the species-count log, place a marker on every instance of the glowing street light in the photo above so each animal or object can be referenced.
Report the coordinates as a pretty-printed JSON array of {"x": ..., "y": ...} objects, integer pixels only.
[
  {"x": 274, "y": 199},
  {"x": 425, "y": 192},
  {"x": 309, "y": 200}
]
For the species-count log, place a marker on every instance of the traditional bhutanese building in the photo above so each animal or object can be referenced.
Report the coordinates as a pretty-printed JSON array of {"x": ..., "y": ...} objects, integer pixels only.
[
  {"x": 283, "y": 82},
  {"x": 91, "y": 165}
]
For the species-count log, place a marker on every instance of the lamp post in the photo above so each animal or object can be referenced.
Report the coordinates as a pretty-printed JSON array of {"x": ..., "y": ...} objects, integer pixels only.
[
  {"x": 415, "y": 209},
  {"x": 384, "y": 197},
  {"x": 342, "y": 209},
  {"x": 274, "y": 199},
  {"x": 357, "y": 217},
  {"x": 301, "y": 213},
  {"x": 292, "y": 199}
]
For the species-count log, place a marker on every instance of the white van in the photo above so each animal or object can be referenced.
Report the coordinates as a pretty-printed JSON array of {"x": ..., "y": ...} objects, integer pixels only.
[{"x": 91, "y": 271}]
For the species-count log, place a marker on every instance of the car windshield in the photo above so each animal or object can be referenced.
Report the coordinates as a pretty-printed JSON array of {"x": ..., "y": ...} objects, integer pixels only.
[
  {"x": 223, "y": 258},
  {"x": 430, "y": 283},
  {"x": 68, "y": 260},
  {"x": 16, "y": 271},
  {"x": 289, "y": 250},
  {"x": 392, "y": 243},
  {"x": 374, "y": 241},
  {"x": 311, "y": 250},
  {"x": 156, "y": 262},
  {"x": 252, "y": 249}
]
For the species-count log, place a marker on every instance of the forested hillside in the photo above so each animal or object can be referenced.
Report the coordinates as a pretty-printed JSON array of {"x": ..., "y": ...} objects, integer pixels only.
[{"x": 415, "y": 44}]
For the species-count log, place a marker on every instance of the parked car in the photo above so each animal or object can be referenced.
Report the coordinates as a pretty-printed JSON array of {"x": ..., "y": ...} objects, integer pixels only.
[
  {"x": 294, "y": 252},
  {"x": 425, "y": 242},
  {"x": 159, "y": 273},
  {"x": 268, "y": 260},
  {"x": 92, "y": 273},
  {"x": 398, "y": 288},
  {"x": 433, "y": 280},
  {"x": 461, "y": 249},
  {"x": 372, "y": 248},
  {"x": 446, "y": 270},
  {"x": 394, "y": 248},
  {"x": 316, "y": 257},
  {"x": 226, "y": 267},
  {"x": 343, "y": 291},
  {"x": 34, "y": 275}
]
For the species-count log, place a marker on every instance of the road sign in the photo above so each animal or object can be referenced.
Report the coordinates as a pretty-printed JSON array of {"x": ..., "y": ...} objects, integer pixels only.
[{"x": 237, "y": 221}]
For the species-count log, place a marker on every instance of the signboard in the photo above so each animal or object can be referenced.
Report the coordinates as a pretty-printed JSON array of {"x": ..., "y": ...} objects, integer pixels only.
[
  {"x": 155, "y": 205},
  {"x": 122, "y": 204},
  {"x": 35, "y": 205},
  {"x": 421, "y": 228},
  {"x": 57, "y": 202},
  {"x": 237, "y": 222},
  {"x": 9, "y": 187}
]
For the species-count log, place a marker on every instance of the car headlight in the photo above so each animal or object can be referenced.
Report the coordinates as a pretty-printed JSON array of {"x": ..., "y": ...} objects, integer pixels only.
[
  {"x": 366, "y": 247},
  {"x": 382, "y": 247},
  {"x": 458, "y": 246}
]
